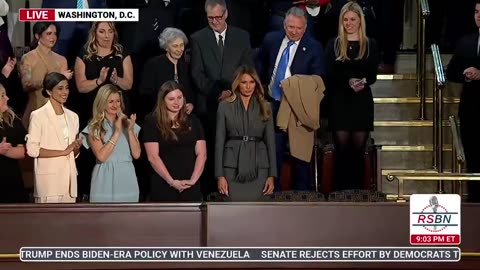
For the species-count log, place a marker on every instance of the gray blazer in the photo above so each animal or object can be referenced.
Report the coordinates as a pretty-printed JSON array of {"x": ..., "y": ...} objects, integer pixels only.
[
  {"x": 234, "y": 120},
  {"x": 212, "y": 73}
]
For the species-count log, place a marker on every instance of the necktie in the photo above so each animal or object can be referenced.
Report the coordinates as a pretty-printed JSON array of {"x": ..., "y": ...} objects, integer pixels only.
[
  {"x": 220, "y": 45},
  {"x": 281, "y": 70},
  {"x": 79, "y": 4}
]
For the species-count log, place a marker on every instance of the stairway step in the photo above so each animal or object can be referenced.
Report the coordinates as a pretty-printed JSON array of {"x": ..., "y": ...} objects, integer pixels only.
[
  {"x": 413, "y": 187},
  {"x": 407, "y": 135},
  {"x": 386, "y": 172},
  {"x": 408, "y": 123},
  {"x": 407, "y": 62},
  {"x": 404, "y": 86},
  {"x": 410, "y": 111},
  {"x": 412, "y": 100},
  {"x": 413, "y": 148},
  {"x": 416, "y": 159}
]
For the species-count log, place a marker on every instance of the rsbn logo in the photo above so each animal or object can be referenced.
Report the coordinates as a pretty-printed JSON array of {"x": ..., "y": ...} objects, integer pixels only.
[{"x": 435, "y": 219}]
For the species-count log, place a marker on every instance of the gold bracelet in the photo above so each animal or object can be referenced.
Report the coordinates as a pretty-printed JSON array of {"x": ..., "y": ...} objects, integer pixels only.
[{"x": 110, "y": 141}]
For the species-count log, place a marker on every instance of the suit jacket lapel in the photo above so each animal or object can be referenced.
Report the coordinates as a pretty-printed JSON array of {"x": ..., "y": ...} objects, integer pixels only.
[
  {"x": 212, "y": 40},
  {"x": 299, "y": 56},
  {"x": 276, "y": 50},
  {"x": 228, "y": 45},
  {"x": 53, "y": 119}
]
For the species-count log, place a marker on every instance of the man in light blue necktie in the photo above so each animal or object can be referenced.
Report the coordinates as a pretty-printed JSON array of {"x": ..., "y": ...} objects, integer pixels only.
[
  {"x": 79, "y": 4},
  {"x": 283, "y": 54}
]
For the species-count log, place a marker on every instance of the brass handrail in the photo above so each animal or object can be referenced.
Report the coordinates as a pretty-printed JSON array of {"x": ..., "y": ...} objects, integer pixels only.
[
  {"x": 402, "y": 177},
  {"x": 438, "y": 87},
  {"x": 423, "y": 11},
  {"x": 456, "y": 141},
  {"x": 458, "y": 154}
]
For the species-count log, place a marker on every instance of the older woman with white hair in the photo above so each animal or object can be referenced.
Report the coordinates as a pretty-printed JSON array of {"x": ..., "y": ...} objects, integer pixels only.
[{"x": 166, "y": 67}]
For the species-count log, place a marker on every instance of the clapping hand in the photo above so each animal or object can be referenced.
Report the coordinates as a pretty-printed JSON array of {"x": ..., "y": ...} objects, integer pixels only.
[
  {"x": 4, "y": 146},
  {"x": 9, "y": 67},
  {"x": 189, "y": 108},
  {"x": 114, "y": 76},
  {"x": 74, "y": 146},
  {"x": 119, "y": 121},
  {"x": 68, "y": 74},
  {"x": 131, "y": 122},
  {"x": 103, "y": 75}
]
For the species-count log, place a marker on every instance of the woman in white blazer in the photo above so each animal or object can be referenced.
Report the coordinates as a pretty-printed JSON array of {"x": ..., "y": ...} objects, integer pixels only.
[{"x": 52, "y": 142}]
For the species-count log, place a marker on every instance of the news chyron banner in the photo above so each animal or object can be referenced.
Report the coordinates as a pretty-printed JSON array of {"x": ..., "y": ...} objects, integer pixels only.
[
  {"x": 235, "y": 255},
  {"x": 435, "y": 219},
  {"x": 77, "y": 15}
]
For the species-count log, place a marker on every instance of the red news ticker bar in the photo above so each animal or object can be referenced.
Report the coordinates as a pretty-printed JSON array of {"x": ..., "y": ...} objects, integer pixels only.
[
  {"x": 432, "y": 239},
  {"x": 36, "y": 14}
]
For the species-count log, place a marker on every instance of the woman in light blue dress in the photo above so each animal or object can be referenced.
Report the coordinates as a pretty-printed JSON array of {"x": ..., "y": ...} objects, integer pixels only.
[{"x": 114, "y": 142}]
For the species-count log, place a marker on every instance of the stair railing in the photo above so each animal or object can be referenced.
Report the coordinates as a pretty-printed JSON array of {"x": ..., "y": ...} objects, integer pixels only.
[
  {"x": 402, "y": 177},
  {"x": 438, "y": 86},
  {"x": 458, "y": 155},
  {"x": 423, "y": 11}
]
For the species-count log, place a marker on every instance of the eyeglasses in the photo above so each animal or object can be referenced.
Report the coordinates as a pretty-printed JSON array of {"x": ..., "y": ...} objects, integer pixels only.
[{"x": 216, "y": 18}]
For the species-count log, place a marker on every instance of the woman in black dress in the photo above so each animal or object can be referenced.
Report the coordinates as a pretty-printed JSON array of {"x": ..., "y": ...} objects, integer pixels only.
[
  {"x": 102, "y": 61},
  {"x": 352, "y": 61},
  {"x": 175, "y": 146},
  {"x": 12, "y": 148},
  {"x": 166, "y": 67}
]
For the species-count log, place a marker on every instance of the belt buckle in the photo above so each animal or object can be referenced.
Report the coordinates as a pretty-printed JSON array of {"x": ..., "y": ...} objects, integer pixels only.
[{"x": 245, "y": 138}]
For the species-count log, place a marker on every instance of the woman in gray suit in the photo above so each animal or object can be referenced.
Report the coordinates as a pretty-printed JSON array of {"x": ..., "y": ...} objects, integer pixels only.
[{"x": 245, "y": 164}]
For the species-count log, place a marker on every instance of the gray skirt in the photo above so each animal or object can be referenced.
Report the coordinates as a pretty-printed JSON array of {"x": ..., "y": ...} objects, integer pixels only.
[{"x": 248, "y": 191}]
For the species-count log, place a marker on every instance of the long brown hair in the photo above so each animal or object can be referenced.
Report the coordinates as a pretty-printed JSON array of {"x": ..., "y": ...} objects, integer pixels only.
[
  {"x": 341, "y": 42},
  {"x": 258, "y": 93},
  {"x": 164, "y": 123},
  {"x": 91, "y": 46}
]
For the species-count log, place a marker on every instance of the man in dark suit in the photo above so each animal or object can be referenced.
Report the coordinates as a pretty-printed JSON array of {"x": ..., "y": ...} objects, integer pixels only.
[
  {"x": 305, "y": 56},
  {"x": 464, "y": 67},
  {"x": 73, "y": 35},
  {"x": 217, "y": 51}
]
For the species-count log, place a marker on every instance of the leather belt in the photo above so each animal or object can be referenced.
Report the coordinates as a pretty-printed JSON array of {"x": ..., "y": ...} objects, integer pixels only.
[{"x": 246, "y": 138}]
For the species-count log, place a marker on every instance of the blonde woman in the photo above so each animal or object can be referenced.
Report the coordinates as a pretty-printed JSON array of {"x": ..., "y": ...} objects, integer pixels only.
[
  {"x": 12, "y": 148},
  {"x": 114, "y": 141},
  {"x": 245, "y": 160},
  {"x": 352, "y": 61}
]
